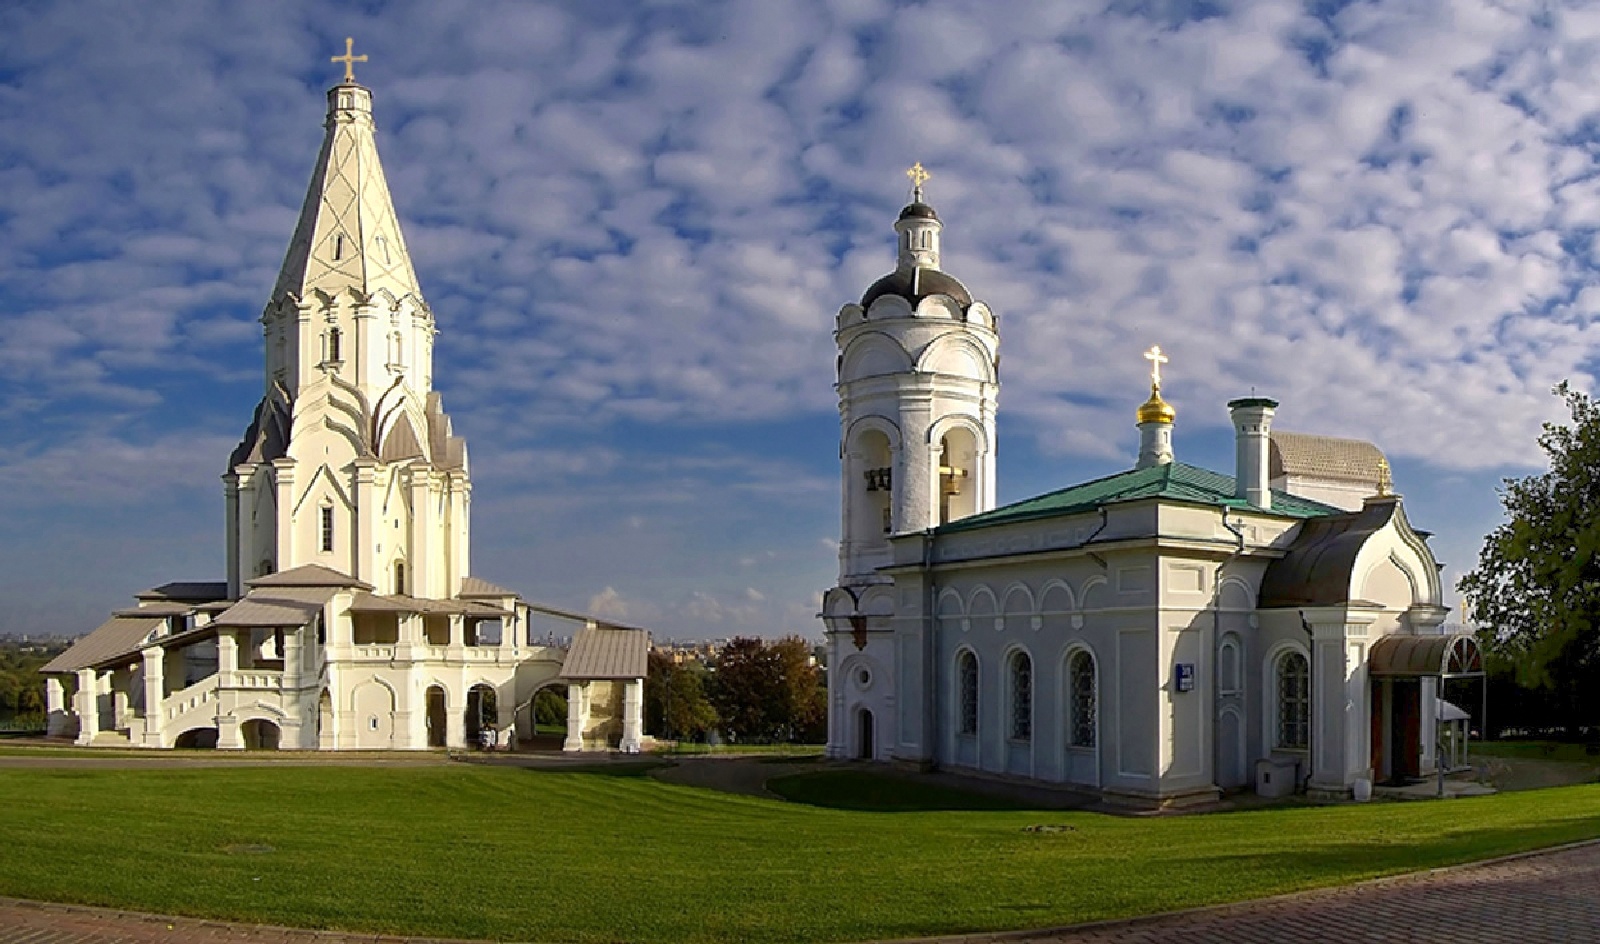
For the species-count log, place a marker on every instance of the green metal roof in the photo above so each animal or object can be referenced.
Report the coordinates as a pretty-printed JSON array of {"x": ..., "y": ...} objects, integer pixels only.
[{"x": 1176, "y": 481}]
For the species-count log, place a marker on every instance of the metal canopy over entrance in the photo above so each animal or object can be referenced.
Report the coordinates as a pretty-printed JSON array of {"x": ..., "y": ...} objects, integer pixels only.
[{"x": 1399, "y": 656}]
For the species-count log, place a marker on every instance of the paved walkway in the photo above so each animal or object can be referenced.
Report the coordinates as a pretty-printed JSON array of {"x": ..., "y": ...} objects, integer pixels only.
[{"x": 1541, "y": 898}]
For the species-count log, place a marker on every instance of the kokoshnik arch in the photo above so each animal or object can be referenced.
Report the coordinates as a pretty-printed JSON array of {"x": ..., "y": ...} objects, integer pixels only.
[
  {"x": 1155, "y": 637},
  {"x": 348, "y": 618}
]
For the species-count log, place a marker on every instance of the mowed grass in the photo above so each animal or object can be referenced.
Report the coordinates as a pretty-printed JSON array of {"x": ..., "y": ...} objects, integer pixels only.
[{"x": 490, "y": 852}]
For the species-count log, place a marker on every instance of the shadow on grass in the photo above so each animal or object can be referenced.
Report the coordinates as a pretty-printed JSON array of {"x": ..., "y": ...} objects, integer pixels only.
[{"x": 865, "y": 792}]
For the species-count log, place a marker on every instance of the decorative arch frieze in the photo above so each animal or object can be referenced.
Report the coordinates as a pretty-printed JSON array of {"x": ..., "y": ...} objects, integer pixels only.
[
  {"x": 957, "y": 354},
  {"x": 873, "y": 354}
]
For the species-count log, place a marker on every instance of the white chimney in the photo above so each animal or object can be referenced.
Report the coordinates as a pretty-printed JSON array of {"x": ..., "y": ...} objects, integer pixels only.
[{"x": 1252, "y": 427}]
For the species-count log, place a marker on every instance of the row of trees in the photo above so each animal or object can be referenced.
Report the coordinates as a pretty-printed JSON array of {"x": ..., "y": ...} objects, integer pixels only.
[
  {"x": 754, "y": 691},
  {"x": 21, "y": 685},
  {"x": 1536, "y": 589}
]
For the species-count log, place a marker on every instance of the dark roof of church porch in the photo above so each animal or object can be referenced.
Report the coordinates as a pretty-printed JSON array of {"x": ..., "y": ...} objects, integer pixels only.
[
  {"x": 1174, "y": 481},
  {"x": 117, "y": 637},
  {"x": 1319, "y": 567}
]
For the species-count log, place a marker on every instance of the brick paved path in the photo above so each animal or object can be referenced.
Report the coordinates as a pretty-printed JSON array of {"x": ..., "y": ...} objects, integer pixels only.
[{"x": 1534, "y": 899}]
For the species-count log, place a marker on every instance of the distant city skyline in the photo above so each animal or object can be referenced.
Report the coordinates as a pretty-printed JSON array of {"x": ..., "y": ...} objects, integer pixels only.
[{"x": 635, "y": 225}]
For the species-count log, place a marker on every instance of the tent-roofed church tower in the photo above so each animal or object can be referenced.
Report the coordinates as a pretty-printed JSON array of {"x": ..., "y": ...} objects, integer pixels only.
[{"x": 349, "y": 461}]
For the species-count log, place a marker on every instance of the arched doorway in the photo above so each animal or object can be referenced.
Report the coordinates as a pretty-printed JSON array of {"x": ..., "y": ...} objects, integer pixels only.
[
  {"x": 436, "y": 717},
  {"x": 481, "y": 712},
  {"x": 197, "y": 739},
  {"x": 864, "y": 740},
  {"x": 260, "y": 735}
]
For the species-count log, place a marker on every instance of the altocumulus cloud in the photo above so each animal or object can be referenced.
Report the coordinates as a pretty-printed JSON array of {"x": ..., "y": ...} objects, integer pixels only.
[{"x": 635, "y": 225}]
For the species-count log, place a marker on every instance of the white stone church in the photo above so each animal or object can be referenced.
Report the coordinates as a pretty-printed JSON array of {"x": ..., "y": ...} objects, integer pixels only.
[
  {"x": 1154, "y": 637},
  {"x": 348, "y": 619}
]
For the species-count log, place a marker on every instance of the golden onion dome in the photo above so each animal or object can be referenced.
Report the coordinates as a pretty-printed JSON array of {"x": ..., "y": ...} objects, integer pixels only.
[{"x": 1155, "y": 409}]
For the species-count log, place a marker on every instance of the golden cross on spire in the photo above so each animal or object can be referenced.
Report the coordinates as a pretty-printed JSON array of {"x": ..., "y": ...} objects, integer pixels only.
[
  {"x": 1156, "y": 359},
  {"x": 1385, "y": 480},
  {"x": 918, "y": 176},
  {"x": 349, "y": 60}
]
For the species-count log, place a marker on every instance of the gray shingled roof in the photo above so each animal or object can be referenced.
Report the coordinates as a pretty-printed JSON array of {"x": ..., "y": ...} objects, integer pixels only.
[
  {"x": 1323, "y": 457},
  {"x": 607, "y": 654},
  {"x": 117, "y": 637},
  {"x": 308, "y": 575}
]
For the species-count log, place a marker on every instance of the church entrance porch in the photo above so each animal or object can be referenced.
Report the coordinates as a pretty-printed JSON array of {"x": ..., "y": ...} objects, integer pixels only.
[{"x": 1408, "y": 676}]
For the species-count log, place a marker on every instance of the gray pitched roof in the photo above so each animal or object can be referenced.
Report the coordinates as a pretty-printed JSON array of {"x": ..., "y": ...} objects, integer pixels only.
[
  {"x": 607, "y": 654},
  {"x": 115, "y": 638},
  {"x": 309, "y": 575},
  {"x": 276, "y": 606},
  {"x": 187, "y": 591},
  {"x": 1323, "y": 457},
  {"x": 478, "y": 587},
  {"x": 387, "y": 603}
]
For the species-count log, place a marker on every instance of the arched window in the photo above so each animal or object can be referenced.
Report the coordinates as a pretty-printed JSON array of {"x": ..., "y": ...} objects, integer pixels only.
[
  {"x": 1021, "y": 697},
  {"x": 1228, "y": 666},
  {"x": 1081, "y": 699},
  {"x": 1294, "y": 701},
  {"x": 335, "y": 345},
  {"x": 967, "y": 678},
  {"x": 399, "y": 577}
]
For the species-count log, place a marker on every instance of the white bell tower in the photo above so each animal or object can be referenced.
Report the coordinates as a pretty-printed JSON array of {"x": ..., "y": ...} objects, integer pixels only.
[{"x": 918, "y": 381}]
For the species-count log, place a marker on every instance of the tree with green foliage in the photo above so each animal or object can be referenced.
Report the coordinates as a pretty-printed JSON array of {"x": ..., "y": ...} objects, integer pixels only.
[
  {"x": 675, "y": 705},
  {"x": 1536, "y": 590},
  {"x": 768, "y": 691}
]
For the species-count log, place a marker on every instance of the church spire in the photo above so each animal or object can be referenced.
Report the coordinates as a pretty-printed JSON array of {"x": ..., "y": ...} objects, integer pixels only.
[{"x": 348, "y": 236}]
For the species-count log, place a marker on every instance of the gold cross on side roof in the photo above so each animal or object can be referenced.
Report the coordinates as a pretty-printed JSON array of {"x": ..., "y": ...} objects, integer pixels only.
[
  {"x": 349, "y": 60},
  {"x": 1156, "y": 359},
  {"x": 918, "y": 176}
]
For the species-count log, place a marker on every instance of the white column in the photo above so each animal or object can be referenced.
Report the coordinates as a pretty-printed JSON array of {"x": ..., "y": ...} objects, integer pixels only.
[
  {"x": 87, "y": 705},
  {"x": 245, "y": 530},
  {"x": 577, "y": 716},
  {"x": 55, "y": 702},
  {"x": 455, "y": 718},
  {"x": 154, "y": 692},
  {"x": 227, "y": 658},
  {"x": 422, "y": 552},
  {"x": 632, "y": 716}
]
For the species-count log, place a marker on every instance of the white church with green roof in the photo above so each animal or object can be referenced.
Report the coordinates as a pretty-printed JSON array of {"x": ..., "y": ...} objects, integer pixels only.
[
  {"x": 348, "y": 618},
  {"x": 1155, "y": 638}
]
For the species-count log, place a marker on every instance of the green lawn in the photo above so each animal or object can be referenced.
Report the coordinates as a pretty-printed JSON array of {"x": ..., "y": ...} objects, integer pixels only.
[{"x": 480, "y": 851}]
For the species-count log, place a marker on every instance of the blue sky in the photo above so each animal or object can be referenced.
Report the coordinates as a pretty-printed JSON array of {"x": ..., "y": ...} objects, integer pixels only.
[{"x": 636, "y": 221}]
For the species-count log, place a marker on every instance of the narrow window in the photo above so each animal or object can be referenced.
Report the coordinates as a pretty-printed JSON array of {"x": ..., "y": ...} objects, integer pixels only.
[
  {"x": 1021, "y": 697},
  {"x": 400, "y": 577},
  {"x": 327, "y": 528},
  {"x": 338, "y": 247},
  {"x": 1294, "y": 702},
  {"x": 1080, "y": 675},
  {"x": 335, "y": 346},
  {"x": 967, "y": 668}
]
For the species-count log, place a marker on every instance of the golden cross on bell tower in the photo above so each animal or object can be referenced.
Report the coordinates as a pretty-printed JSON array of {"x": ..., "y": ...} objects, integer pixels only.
[
  {"x": 918, "y": 176},
  {"x": 349, "y": 60},
  {"x": 1156, "y": 359}
]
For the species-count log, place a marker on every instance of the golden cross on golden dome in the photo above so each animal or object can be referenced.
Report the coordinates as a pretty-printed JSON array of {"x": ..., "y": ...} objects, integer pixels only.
[
  {"x": 1156, "y": 359},
  {"x": 918, "y": 177},
  {"x": 349, "y": 60}
]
